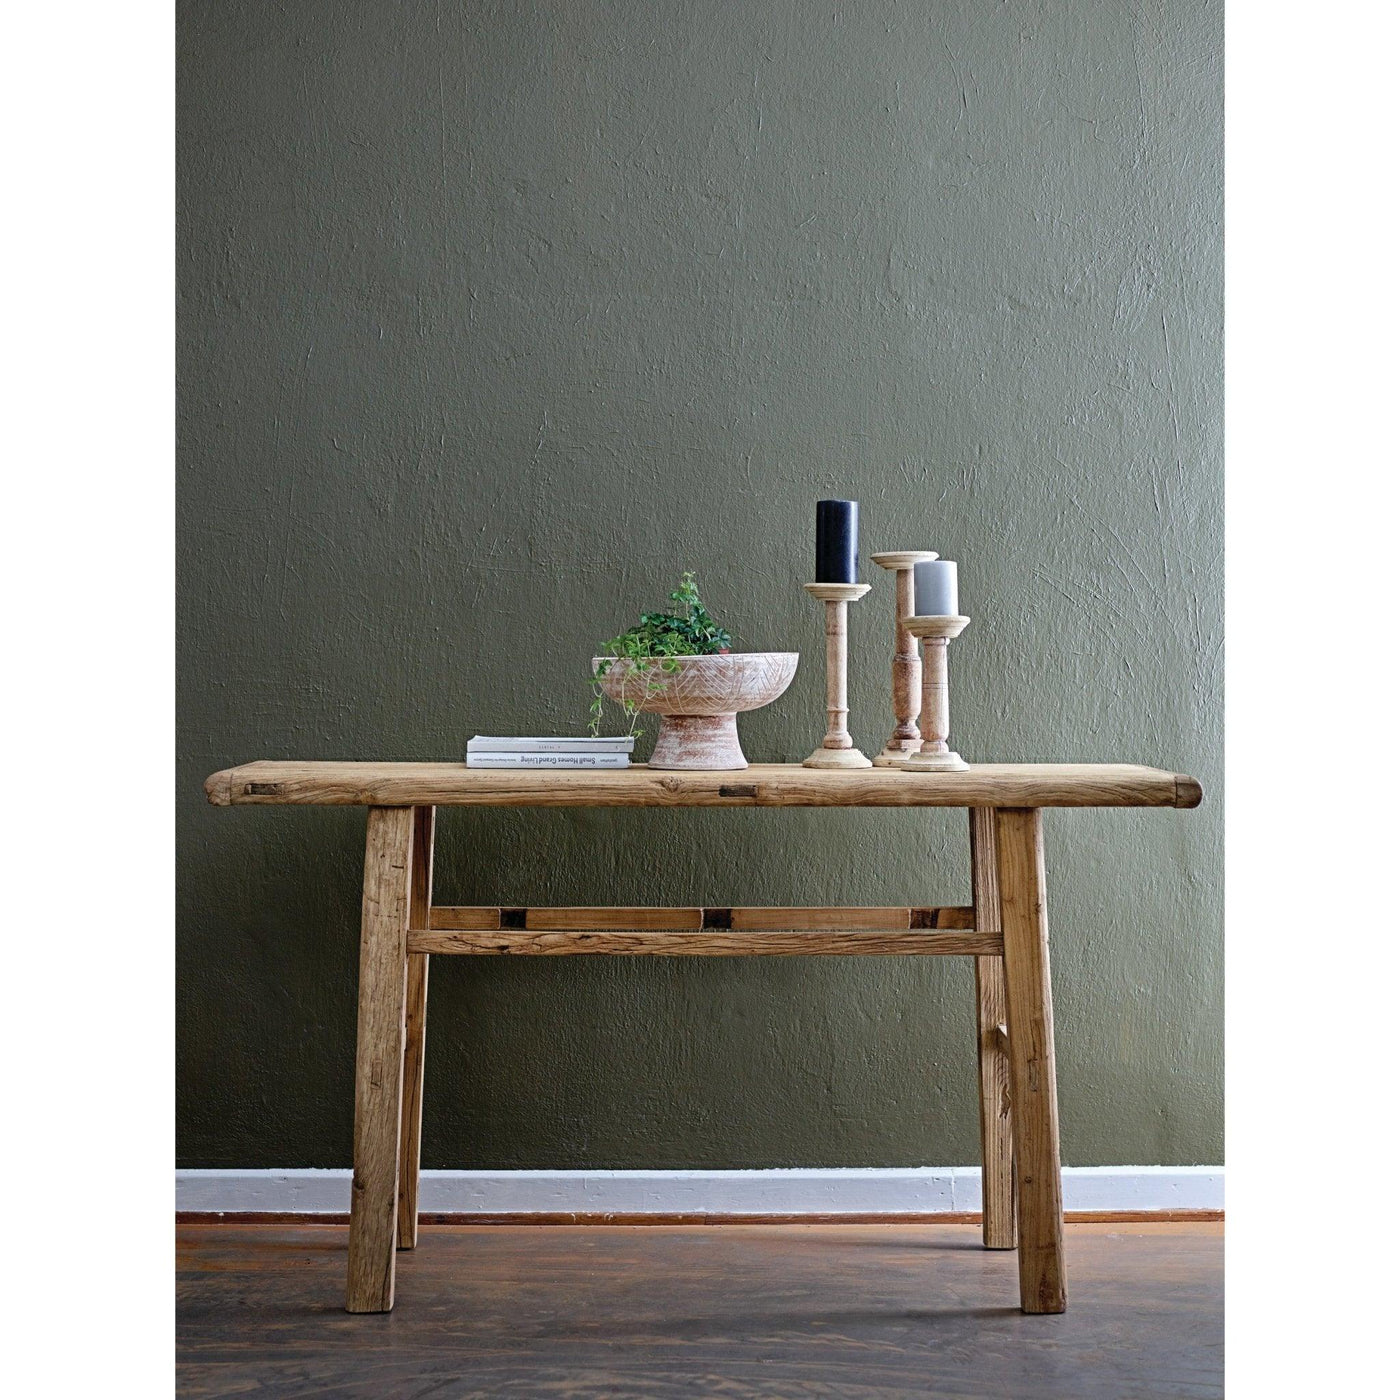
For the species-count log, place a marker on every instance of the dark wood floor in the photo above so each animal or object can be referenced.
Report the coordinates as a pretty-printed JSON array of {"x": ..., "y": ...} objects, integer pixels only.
[{"x": 809, "y": 1311}]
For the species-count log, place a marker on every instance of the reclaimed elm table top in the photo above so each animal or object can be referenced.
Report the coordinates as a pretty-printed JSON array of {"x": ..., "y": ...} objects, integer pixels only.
[{"x": 760, "y": 785}]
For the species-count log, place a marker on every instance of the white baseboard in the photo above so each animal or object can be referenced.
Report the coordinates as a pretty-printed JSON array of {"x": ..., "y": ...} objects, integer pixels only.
[{"x": 780, "y": 1191}]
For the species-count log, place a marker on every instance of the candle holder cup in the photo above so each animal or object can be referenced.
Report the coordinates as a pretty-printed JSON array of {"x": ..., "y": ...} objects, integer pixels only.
[
  {"x": 906, "y": 672},
  {"x": 935, "y": 756},
  {"x": 836, "y": 749}
]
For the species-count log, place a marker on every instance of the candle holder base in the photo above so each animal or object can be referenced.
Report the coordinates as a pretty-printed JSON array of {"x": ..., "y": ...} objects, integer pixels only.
[
  {"x": 934, "y": 763},
  {"x": 836, "y": 758},
  {"x": 896, "y": 757}
]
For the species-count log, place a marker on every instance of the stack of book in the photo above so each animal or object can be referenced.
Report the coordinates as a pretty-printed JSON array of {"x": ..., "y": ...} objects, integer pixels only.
[{"x": 484, "y": 751}]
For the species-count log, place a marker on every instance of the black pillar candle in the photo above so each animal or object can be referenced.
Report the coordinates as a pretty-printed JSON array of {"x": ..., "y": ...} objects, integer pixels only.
[{"x": 837, "y": 527}]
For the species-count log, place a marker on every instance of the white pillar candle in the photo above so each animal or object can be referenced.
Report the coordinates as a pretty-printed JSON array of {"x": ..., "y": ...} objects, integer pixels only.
[{"x": 936, "y": 588}]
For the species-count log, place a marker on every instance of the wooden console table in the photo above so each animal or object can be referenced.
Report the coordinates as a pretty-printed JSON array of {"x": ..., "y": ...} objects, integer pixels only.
[{"x": 1004, "y": 930}]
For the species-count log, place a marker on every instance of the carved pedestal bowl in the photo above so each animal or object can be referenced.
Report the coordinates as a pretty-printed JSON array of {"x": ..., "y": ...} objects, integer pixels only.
[{"x": 698, "y": 701}]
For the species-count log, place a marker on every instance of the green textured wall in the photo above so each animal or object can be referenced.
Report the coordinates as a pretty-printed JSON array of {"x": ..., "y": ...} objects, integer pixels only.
[{"x": 493, "y": 318}]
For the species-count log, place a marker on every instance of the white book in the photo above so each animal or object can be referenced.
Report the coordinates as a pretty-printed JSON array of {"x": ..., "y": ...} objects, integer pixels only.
[
  {"x": 547, "y": 760},
  {"x": 486, "y": 743}
]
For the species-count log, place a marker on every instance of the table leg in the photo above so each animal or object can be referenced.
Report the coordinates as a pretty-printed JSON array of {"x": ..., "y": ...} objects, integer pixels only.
[
  {"x": 379, "y": 1059},
  {"x": 1031, "y": 1033},
  {"x": 415, "y": 1030},
  {"x": 993, "y": 1070}
]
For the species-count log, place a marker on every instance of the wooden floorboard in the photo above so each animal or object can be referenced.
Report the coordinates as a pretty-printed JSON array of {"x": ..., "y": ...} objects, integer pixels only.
[{"x": 820, "y": 1311}]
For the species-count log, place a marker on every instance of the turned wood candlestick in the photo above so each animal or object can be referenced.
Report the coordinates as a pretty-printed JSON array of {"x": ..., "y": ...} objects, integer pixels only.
[
  {"x": 836, "y": 750},
  {"x": 935, "y": 756},
  {"x": 906, "y": 674}
]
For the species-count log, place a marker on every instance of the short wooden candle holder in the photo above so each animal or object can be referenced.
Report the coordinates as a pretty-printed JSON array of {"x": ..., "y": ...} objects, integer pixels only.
[
  {"x": 906, "y": 673},
  {"x": 836, "y": 750},
  {"x": 935, "y": 756}
]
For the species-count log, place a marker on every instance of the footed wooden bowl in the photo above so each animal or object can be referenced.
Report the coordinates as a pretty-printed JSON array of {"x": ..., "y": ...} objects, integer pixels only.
[{"x": 698, "y": 701}]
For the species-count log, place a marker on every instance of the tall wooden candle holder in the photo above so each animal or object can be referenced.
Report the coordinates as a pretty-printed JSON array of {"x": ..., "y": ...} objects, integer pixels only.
[
  {"x": 935, "y": 756},
  {"x": 906, "y": 672},
  {"x": 836, "y": 750}
]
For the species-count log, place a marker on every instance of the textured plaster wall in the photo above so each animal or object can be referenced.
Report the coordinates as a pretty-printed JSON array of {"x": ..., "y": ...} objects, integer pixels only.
[{"x": 493, "y": 318}]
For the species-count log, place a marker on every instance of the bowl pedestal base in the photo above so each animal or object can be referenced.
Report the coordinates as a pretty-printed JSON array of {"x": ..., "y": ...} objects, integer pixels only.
[{"x": 698, "y": 741}]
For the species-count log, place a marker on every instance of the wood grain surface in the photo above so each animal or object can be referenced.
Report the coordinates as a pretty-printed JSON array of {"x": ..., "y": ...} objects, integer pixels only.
[
  {"x": 379, "y": 1059},
  {"x": 906, "y": 671},
  {"x": 993, "y": 1069},
  {"x": 782, "y": 1312},
  {"x": 760, "y": 785},
  {"x": 600, "y": 918},
  {"x": 415, "y": 1031},
  {"x": 713, "y": 943},
  {"x": 1035, "y": 1112}
]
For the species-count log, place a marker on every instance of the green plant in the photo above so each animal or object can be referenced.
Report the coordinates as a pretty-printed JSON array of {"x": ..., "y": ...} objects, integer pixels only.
[{"x": 659, "y": 637}]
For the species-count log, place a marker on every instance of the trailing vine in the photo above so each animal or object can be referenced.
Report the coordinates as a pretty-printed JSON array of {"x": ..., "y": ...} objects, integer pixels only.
[{"x": 652, "y": 646}]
